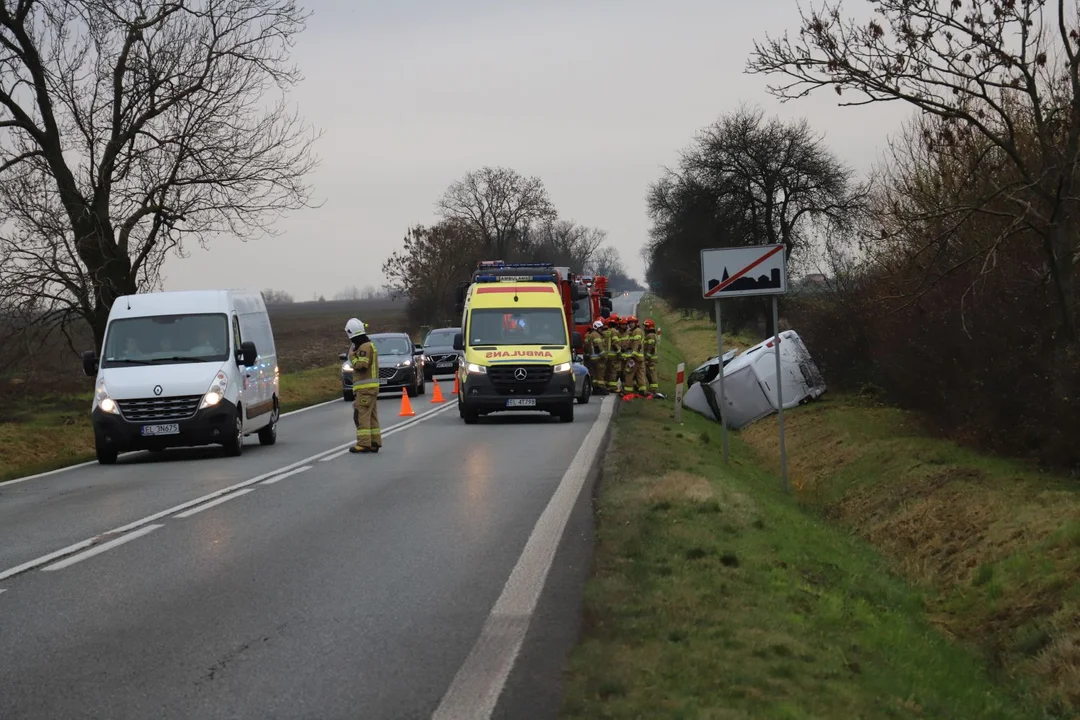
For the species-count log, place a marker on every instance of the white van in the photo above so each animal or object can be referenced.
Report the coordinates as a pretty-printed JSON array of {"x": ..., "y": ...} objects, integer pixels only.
[{"x": 180, "y": 369}]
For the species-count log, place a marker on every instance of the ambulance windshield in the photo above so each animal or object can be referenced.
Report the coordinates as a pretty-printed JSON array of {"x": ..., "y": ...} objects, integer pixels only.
[{"x": 532, "y": 326}]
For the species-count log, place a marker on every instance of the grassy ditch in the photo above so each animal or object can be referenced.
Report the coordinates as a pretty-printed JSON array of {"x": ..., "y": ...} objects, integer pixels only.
[
  {"x": 994, "y": 543},
  {"x": 716, "y": 596},
  {"x": 38, "y": 434}
]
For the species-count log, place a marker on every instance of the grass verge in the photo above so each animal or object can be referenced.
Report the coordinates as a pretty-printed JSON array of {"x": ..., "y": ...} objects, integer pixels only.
[
  {"x": 716, "y": 596},
  {"x": 54, "y": 431}
]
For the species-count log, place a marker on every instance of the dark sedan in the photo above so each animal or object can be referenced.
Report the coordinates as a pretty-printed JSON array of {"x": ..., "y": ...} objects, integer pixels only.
[
  {"x": 442, "y": 358},
  {"x": 401, "y": 365}
]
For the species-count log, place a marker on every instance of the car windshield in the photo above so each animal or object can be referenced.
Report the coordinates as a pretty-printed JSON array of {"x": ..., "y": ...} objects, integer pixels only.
[
  {"x": 440, "y": 338},
  {"x": 391, "y": 345},
  {"x": 167, "y": 339},
  {"x": 530, "y": 326}
]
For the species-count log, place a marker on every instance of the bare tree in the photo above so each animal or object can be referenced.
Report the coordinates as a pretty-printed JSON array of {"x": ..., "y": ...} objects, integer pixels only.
[
  {"x": 606, "y": 262},
  {"x": 1002, "y": 72},
  {"x": 432, "y": 261},
  {"x": 498, "y": 203},
  {"x": 560, "y": 242},
  {"x": 276, "y": 297},
  {"x": 131, "y": 128},
  {"x": 349, "y": 293}
]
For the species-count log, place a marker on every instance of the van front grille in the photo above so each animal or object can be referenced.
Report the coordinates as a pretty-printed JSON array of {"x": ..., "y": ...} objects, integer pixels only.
[
  {"x": 160, "y": 409},
  {"x": 535, "y": 382}
]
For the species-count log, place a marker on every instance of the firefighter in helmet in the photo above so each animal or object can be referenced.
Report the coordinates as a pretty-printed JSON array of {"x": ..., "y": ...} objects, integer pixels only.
[
  {"x": 364, "y": 359},
  {"x": 652, "y": 357},
  {"x": 626, "y": 355},
  {"x": 596, "y": 354},
  {"x": 632, "y": 357},
  {"x": 614, "y": 358}
]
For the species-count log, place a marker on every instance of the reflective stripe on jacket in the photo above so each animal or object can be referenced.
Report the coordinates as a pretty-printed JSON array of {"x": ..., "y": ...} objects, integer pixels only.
[{"x": 365, "y": 363}]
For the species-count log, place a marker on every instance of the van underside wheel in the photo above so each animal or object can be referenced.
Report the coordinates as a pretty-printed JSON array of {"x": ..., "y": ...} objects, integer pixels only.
[
  {"x": 268, "y": 434},
  {"x": 234, "y": 446}
]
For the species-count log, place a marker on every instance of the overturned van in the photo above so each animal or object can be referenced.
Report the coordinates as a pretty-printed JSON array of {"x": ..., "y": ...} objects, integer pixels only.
[{"x": 750, "y": 383}]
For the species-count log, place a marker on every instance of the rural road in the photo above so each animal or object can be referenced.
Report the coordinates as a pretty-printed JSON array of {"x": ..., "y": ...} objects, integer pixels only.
[{"x": 300, "y": 581}]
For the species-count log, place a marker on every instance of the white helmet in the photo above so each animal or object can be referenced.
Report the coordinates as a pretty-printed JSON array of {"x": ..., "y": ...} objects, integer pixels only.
[
  {"x": 598, "y": 324},
  {"x": 354, "y": 328}
]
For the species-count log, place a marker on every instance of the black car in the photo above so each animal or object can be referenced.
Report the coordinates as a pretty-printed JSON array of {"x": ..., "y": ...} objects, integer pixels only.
[
  {"x": 401, "y": 365},
  {"x": 442, "y": 358}
]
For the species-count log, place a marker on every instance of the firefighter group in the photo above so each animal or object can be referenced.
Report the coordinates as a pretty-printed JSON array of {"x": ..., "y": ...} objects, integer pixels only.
[{"x": 622, "y": 356}]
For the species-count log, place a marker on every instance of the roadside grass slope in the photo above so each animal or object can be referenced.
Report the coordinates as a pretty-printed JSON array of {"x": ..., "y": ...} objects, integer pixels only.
[{"x": 714, "y": 595}]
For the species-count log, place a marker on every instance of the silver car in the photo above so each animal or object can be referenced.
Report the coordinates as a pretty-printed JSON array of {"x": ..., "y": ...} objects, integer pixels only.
[{"x": 583, "y": 382}]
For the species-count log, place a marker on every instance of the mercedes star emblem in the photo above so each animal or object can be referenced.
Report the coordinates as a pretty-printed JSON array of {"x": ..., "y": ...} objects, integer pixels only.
[
  {"x": 521, "y": 374},
  {"x": 157, "y": 389}
]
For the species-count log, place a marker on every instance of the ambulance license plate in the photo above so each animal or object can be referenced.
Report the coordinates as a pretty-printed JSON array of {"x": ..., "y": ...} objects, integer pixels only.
[
  {"x": 521, "y": 402},
  {"x": 154, "y": 430}
]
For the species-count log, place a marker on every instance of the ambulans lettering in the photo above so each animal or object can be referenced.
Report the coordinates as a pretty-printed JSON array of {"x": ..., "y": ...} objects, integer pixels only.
[{"x": 495, "y": 354}]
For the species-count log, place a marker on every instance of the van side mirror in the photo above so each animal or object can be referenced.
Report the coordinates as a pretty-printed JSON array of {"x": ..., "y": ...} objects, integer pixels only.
[
  {"x": 248, "y": 353},
  {"x": 343, "y": 357},
  {"x": 90, "y": 363},
  {"x": 458, "y": 344},
  {"x": 576, "y": 342}
]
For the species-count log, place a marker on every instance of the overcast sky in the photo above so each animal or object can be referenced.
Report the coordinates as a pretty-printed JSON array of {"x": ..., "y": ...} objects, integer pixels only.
[{"x": 593, "y": 96}]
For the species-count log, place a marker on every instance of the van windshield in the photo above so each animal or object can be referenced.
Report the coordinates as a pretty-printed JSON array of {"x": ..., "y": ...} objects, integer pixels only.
[
  {"x": 527, "y": 326},
  {"x": 166, "y": 339}
]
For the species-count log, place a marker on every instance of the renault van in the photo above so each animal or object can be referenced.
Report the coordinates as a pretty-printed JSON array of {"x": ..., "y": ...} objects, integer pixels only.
[
  {"x": 517, "y": 346},
  {"x": 181, "y": 369}
]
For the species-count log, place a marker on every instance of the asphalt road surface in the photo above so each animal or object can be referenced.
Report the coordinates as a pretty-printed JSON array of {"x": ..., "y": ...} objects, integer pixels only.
[
  {"x": 299, "y": 581},
  {"x": 623, "y": 305}
]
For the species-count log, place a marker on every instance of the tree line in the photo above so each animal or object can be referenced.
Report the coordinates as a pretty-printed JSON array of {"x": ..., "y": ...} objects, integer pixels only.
[
  {"x": 492, "y": 213},
  {"x": 951, "y": 267}
]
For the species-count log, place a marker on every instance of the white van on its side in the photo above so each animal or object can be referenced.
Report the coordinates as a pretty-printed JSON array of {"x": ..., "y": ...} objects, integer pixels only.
[{"x": 180, "y": 369}]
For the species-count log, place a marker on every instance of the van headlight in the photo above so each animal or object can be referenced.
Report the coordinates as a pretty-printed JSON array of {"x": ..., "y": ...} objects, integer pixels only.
[
  {"x": 102, "y": 401},
  {"x": 562, "y": 368},
  {"x": 477, "y": 369},
  {"x": 216, "y": 393}
]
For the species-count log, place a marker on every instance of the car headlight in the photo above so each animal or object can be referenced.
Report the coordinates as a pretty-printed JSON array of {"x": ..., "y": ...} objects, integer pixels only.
[
  {"x": 102, "y": 400},
  {"x": 562, "y": 368},
  {"x": 405, "y": 363},
  {"x": 474, "y": 368},
  {"x": 216, "y": 393},
  {"x": 346, "y": 367}
]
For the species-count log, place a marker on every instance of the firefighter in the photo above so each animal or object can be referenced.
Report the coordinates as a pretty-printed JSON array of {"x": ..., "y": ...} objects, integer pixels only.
[
  {"x": 614, "y": 359},
  {"x": 652, "y": 357},
  {"x": 596, "y": 354},
  {"x": 641, "y": 387},
  {"x": 364, "y": 359},
  {"x": 632, "y": 357},
  {"x": 626, "y": 354}
]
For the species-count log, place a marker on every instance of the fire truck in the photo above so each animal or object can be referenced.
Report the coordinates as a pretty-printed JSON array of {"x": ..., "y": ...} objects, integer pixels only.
[{"x": 598, "y": 303}]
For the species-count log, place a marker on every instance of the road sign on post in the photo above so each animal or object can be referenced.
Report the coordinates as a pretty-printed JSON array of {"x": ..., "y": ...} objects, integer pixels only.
[{"x": 747, "y": 271}]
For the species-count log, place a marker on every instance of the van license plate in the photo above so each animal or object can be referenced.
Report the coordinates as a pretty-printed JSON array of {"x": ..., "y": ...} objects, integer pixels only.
[
  {"x": 521, "y": 402},
  {"x": 152, "y": 430}
]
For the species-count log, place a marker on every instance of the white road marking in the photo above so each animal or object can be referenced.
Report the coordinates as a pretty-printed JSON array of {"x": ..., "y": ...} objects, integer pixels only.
[
  {"x": 101, "y": 548},
  {"x": 37, "y": 562},
  {"x": 479, "y": 682},
  {"x": 214, "y": 503},
  {"x": 276, "y": 478},
  {"x": 2, "y": 591}
]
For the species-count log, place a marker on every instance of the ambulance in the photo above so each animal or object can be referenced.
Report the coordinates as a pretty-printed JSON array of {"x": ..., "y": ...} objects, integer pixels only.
[{"x": 518, "y": 346}]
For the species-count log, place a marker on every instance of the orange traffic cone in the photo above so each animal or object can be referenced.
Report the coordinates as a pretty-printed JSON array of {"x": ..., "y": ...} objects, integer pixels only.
[
  {"x": 456, "y": 390},
  {"x": 436, "y": 396},
  {"x": 406, "y": 406}
]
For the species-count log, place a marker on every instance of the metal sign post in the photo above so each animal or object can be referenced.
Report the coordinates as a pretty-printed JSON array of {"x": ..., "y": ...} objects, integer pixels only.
[
  {"x": 747, "y": 271},
  {"x": 779, "y": 391},
  {"x": 720, "y": 359},
  {"x": 679, "y": 391}
]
